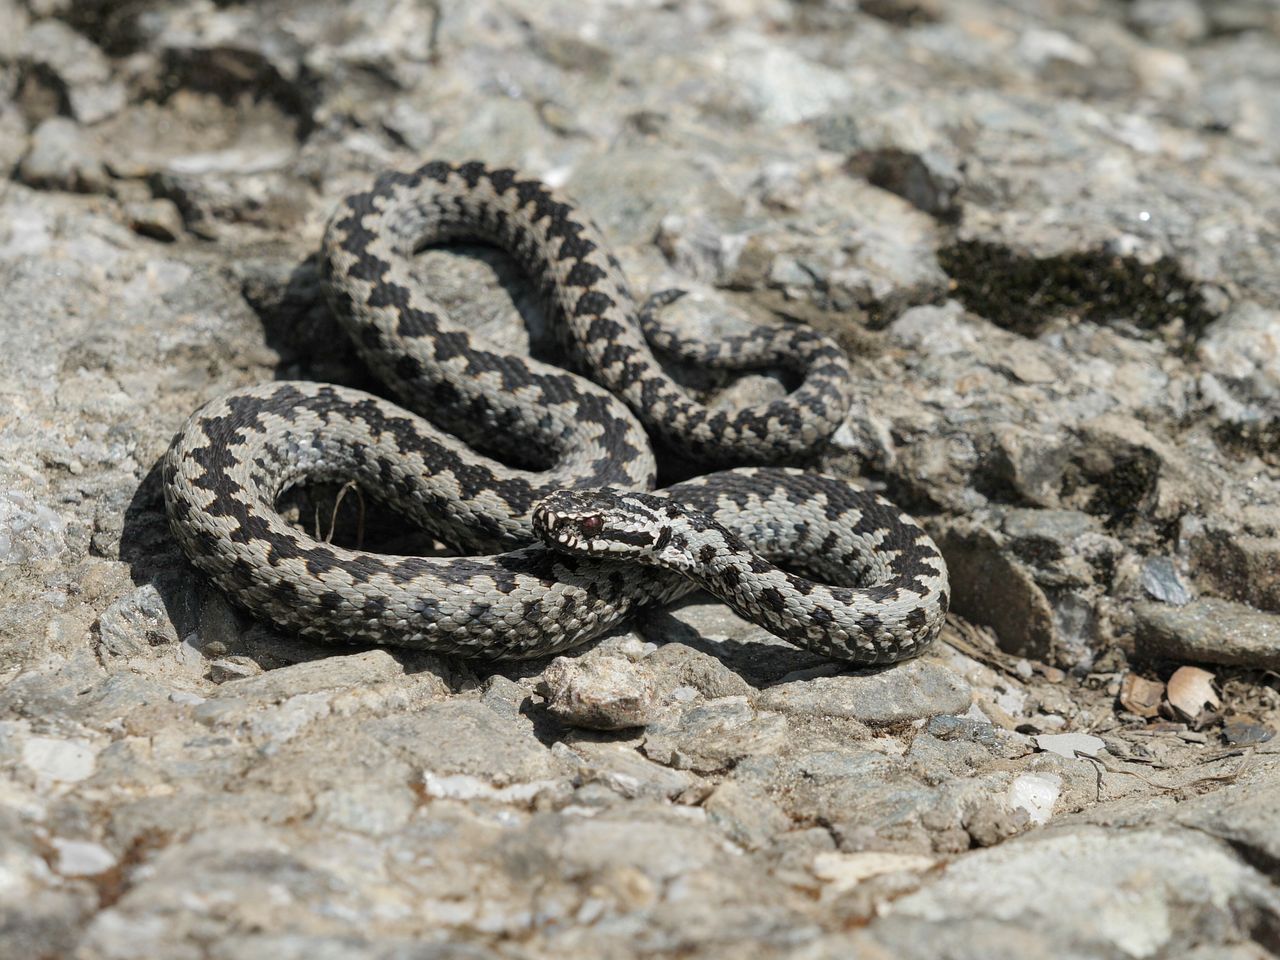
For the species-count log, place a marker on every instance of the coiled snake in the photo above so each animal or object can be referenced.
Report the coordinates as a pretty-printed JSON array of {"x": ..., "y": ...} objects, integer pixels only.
[{"x": 885, "y": 591}]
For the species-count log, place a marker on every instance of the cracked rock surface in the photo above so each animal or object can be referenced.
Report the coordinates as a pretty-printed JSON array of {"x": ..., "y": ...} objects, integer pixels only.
[{"x": 1047, "y": 234}]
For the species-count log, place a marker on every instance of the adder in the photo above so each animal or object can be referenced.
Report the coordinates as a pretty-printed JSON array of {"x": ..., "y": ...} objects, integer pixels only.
[{"x": 542, "y": 569}]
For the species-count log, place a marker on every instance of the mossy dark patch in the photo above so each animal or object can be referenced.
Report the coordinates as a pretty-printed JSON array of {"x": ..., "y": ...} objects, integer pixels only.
[
  {"x": 1241, "y": 441},
  {"x": 1126, "y": 488},
  {"x": 1023, "y": 294},
  {"x": 1038, "y": 550},
  {"x": 1120, "y": 494},
  {"x": 111, "y": 24},
  {"x": 235, "y": 76}
]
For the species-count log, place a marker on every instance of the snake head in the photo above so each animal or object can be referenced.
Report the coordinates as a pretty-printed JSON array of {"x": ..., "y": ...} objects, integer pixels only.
[{"x": 605, "y": 521}]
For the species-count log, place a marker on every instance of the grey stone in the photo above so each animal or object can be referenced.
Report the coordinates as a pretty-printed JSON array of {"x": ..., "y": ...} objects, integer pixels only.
[
  {"x": 599, "y": 692},
  {"x": 133, "y": 625},
  {"x": 1179, "y": 879},
  {"x": 29, "y": 530},
  {"x": 157, "y": 219},
  {"x": 317, "y": 676},
  {"x": 275, "y": 707},
  {"x": 1245, "y": 816},
  {"x": 624, "y": 771},
  {"x": 59, "y": 760},
  {"x": 80, "y": 71},
  {"x": 464, "y": 738},
  {"x": 219, "y": 202},
  {"x": 1250, "y": 15},
  {"x": 780, "y": 86},
  {"x": 657, "y": 843},
  {"x": 1045, "y": 538},
  {"x": 677, "y": 665},
  {"x": 63, "y": 157},
  {"x": 1003, "y": 743},
  {"x": 232, "y": 668},
  {"x": 1243, "y": 349},
  {"x": 504, "y": 696},
  {"x": 1161, "y": 581},
  {"x": 375, "y": 808},
  {"x": 714, "y": 736},
  {"x": 48, "y": 920},
  {"x": 938, "y": 330},
  {"x": 743, "y": 648},
  {"x": 1054, "y": 567},
  {"x": 927, "y": 180},
  {"x": 908, "y": 691},
  {"x": 1209, "y": 631},
  {"x": 748, "y": 817},
  {"x": 991, "y": 587},
  {"x": 872, "y": 801},
  {"x": 1128, "y": 472},
  {"x": 1243, "y": 733},
  {"x": 1237, "y": 555}
]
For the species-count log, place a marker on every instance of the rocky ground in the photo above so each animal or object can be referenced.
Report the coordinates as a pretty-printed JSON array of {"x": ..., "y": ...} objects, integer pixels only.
[{"x": 1047, "y": 233}]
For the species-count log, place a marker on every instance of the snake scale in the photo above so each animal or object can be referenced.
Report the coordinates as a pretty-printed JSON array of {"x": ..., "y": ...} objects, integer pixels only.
[{"x": 883, "y": 589}]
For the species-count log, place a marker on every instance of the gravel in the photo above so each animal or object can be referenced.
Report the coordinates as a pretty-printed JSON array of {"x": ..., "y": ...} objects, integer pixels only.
[{"x": 1046, "y": 235}]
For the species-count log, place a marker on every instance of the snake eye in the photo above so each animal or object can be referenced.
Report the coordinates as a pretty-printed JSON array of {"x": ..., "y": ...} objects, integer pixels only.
[{"x": 591, "y": 525}]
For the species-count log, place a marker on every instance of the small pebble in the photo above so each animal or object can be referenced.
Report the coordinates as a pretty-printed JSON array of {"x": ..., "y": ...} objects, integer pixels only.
[
  {"x": 82, "y": 858},
  {"x": 232, "y": 668},
  {"x": 62, "y": 157},
  {"x": 1035, "y": 793},
  {"x": 157, "y": 219},
  {"x": 1241, "y": 733},
  {"x": 599, "y": 693}
]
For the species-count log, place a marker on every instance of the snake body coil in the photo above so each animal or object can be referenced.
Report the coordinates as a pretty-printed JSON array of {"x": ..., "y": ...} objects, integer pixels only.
[{"x": 228, "y": 466}]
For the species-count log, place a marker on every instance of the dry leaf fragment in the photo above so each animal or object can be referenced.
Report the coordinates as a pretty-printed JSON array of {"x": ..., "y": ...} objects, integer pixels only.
[
  {"x": 1140, "y": 695},
  {"x": 1190, "y": 690}
]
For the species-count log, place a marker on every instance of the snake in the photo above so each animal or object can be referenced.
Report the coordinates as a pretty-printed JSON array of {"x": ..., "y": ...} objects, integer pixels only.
[{"x": 541, "y": 478}]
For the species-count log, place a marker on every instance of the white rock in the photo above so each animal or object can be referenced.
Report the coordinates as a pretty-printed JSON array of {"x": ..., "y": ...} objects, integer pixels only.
[
  {"x": 68, "y": 761},
  {"x": 82, "y": 858},
  {"x": 1035, "y": 793}
]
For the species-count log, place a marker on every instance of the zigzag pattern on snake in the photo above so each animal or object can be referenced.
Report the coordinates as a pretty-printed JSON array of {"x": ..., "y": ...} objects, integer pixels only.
[{"x": 228, "y": 466}]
